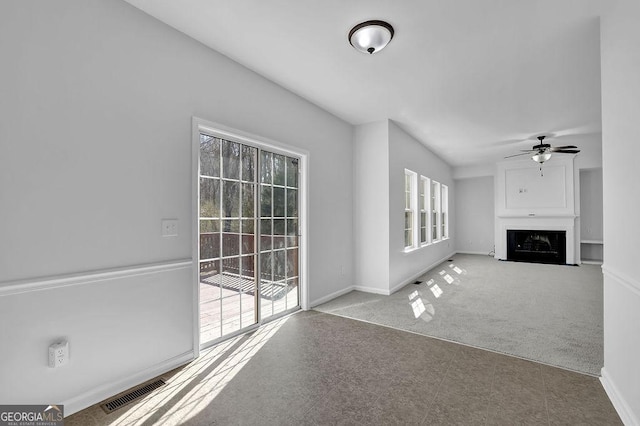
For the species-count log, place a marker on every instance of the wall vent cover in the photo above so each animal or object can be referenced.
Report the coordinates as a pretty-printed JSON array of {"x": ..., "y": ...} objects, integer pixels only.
[{"x": 131, "y": 395}]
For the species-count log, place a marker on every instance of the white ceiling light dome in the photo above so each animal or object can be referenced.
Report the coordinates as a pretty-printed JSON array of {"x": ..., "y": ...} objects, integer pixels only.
[{"x": 371, "y": 36}]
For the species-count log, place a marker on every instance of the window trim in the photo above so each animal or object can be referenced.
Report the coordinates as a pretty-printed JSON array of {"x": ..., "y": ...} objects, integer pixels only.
[
  {"x": 444, "y": 211},
  {"x": 410, "y": 195},
  {"x": 435, "y": 207},
  {"x": 425, "y": 193}
]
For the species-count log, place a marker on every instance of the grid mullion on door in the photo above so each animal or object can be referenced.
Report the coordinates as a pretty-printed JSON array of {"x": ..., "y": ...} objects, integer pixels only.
[
  {"x": 291, "y": 233},
  {"x": 239, "y": 256},
  {"x": 256, "y": 234},
  {"x": 266, "y": 234},
  {"x": 210, "y": 222}
]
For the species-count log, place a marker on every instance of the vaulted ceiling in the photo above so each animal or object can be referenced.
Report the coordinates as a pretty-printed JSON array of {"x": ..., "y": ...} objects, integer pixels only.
[{"x": 473, "y": 80}]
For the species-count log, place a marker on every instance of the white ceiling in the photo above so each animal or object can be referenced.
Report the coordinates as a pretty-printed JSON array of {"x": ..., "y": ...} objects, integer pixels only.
[{"x": 471, "y": 79}]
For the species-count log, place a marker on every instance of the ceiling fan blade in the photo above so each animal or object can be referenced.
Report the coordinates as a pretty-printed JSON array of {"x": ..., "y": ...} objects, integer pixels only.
[
  {"x": 556, "y": 148},
  {"x": 517, "y": 155},
  {"x": 566, "y": 151}
]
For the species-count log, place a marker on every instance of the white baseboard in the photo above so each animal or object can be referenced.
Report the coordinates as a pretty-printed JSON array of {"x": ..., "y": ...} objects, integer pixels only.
[
  {"x": 482, "y": 253},
  {"x": 624, "y": 411},
  {"x": 373, "y": 290},
  {"x": 100, "y": 393},
  {"x": 623, "y": 279},
  {"x": 339, "y": 293},
  {"x": 418, "y": 274},
  {"x": 331, "y": 296},
  {"x": 408, "y": 281}
]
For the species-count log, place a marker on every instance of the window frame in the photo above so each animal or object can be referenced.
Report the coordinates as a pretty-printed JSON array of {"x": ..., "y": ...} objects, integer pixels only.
[
  {"x": 444, "y": 211},
  {"x": 425, "y": 193},
  {"x": 410, "y": 208},
  {"x": 435, "y": 207},
  {"x": 428, "y": 198}
]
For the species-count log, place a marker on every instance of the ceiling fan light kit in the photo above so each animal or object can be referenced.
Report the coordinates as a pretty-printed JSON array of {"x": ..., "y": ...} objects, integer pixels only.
[
  {"x": 542, "y": 151},
  {"x": 541, "y": 157},
  {"x": 371, "y": 36}
]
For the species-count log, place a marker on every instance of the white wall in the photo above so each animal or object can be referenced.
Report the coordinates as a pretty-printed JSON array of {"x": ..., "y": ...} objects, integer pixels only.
[
  {"x": 95, "y": 140},
  {"x": 590, "y": 156},
  {"x": 405, "y": 152},
  {"x": 123, "y": 328},
  {"x": 621, "y": 150},
  {"x": 522, "y": 189},
  {"x": 475, "y": 215},
  {"x": 477, "y": 170},
  {"x": 371, "y": 201},
  {"x": 382, "y": 151}
]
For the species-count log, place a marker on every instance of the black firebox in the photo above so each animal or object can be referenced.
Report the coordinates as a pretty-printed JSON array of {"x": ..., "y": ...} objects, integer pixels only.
[{"x": 537, "y": 246}]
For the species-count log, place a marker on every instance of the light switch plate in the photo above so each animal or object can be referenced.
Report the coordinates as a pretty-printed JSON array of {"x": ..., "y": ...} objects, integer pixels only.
[{"x": 169, "y": 227}]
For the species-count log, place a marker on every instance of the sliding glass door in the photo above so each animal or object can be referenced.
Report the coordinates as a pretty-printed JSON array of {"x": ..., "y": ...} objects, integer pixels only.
[
  {"x": 278, "y": 233},
  {"x": 244, "y": 192}
]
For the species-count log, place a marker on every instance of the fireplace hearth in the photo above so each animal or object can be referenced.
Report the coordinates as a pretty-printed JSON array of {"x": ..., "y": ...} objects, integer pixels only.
[{"x": 537, "y": 246}]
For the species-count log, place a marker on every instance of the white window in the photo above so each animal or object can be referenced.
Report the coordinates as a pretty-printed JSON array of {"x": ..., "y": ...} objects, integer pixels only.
[
  {"x": 410, "y": 201},
  {"x": 445, "y": 211},
  {"x": 436, "y": 218},
  {"x": 424, "y": 209}
]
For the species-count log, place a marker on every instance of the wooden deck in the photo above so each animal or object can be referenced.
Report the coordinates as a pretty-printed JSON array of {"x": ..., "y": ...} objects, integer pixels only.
[{"x": 233, "y": 295}]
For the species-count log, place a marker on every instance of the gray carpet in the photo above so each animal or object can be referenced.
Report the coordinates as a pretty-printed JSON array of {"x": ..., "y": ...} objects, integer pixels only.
[{"x": 546, "y": 313}]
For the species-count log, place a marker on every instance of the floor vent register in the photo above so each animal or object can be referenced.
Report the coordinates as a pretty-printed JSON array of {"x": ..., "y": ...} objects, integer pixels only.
[{"x": 131, "y": 396}]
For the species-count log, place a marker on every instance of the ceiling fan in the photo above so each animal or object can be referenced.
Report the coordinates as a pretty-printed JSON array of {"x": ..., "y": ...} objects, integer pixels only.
[{"x": 542, "y": 151}]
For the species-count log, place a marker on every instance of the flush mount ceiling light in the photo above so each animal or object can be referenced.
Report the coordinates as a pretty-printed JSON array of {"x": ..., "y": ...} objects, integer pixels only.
[{"x": 371, "y": 36}]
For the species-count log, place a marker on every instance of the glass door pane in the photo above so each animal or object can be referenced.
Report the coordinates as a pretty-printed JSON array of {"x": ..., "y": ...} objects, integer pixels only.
[
  {"x": 227, "y": 237},
  {"x": 279, "y": 277}
]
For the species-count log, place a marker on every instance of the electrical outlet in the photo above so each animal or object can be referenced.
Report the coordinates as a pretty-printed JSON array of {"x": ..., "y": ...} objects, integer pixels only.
[
  {"x": 169, "y": 227},
  {"x": 59, "y": 354}
]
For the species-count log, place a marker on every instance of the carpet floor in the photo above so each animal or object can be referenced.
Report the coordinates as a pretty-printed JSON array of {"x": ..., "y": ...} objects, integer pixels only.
[
  {"x": 546, "y": 313},
  {"x": 311, "y": 368}
]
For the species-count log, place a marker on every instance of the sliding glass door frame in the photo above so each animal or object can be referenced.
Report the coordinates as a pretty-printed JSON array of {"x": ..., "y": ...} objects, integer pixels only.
[{"x": 226, "y": 133}]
